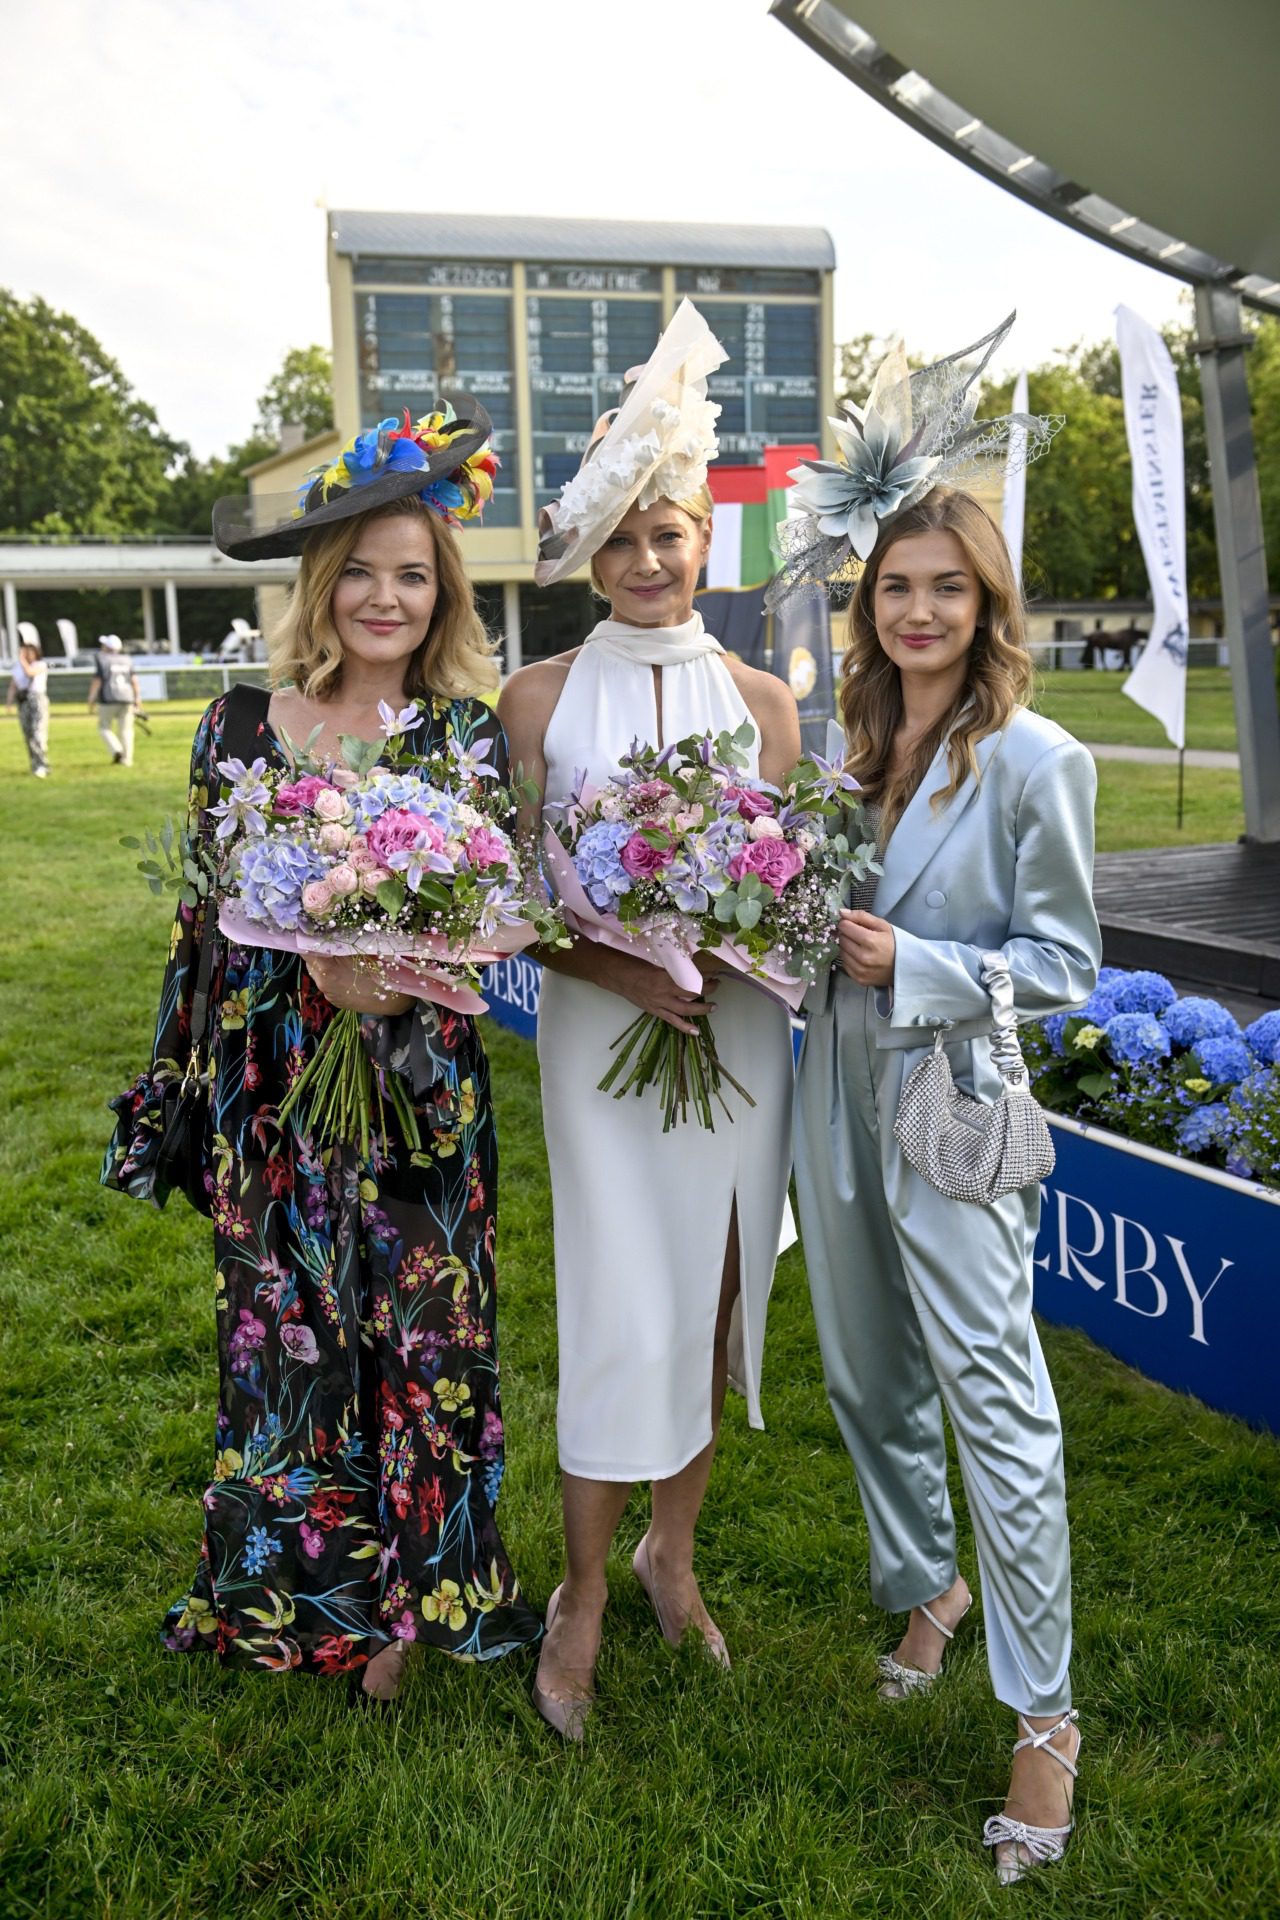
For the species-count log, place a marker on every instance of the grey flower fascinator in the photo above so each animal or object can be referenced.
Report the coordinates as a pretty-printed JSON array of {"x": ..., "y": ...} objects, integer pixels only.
[{"x": 916, "y": 431}]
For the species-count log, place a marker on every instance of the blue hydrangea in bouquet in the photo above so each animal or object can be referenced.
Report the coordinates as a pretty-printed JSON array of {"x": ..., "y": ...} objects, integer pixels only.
[
  {"x": 684, "y": 854},
  {"x": 404, "y": 861}
]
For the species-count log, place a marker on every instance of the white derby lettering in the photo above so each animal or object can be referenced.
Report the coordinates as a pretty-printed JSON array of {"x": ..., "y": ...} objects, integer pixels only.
[
  {"x": 1138, "y": 1286},
  {"x": 516, "y": 981}
]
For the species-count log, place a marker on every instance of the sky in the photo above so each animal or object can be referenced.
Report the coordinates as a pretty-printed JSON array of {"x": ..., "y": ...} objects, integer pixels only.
[{"x": 168, "y": 163}]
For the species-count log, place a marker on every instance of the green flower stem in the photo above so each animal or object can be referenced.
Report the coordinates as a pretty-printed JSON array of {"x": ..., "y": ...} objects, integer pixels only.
[
  {"x": 686, "y": 1068},
  {"x": 345, "y": 1092}
]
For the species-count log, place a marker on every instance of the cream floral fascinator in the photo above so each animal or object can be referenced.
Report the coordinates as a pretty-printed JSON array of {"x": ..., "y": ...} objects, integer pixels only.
[
  {"x": 916, "y": 431},
  {"x": 656, "y": 446}
]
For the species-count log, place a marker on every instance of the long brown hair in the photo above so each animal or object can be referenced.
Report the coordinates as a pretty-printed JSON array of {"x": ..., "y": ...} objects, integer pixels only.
[
  {"x": 453, "y": 659},
  {"x": 998, "y": 681}
]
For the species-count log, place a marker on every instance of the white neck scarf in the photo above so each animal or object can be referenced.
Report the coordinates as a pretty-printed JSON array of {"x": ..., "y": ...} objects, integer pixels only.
[{"x": 654, "y": 646}]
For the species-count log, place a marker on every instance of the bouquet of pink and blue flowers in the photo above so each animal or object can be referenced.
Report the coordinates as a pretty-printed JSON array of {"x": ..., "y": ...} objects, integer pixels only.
[
  {"x": 409, "y": 865},
  {"x": 684, "y": 854}
]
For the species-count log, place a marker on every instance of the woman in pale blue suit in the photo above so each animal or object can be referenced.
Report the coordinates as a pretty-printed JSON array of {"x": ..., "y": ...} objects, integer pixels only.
[{"x": 985, "y": 819}]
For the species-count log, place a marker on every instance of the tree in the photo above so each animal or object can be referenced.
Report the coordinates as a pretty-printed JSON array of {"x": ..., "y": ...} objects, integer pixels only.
[
  {"x": 187, "y": 506},
  {"x": 80, "y": 453},
  {"x": 301, "y": 394}
]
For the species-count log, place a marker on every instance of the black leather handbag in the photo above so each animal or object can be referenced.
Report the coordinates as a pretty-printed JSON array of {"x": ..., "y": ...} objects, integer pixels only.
[{"x": 182, "y": 1160}]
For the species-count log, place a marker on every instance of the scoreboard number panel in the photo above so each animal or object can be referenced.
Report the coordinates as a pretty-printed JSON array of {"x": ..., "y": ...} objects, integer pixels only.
[
  {"x": 584, "y": 328},
  {"x": 579, "y": 353},
  {"x": 769, "y": 392},
  {"x": 413, "y": 344}
]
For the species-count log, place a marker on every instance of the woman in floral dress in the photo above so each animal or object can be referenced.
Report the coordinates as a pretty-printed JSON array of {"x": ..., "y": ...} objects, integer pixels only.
[{"x": 359, "y": 1445}]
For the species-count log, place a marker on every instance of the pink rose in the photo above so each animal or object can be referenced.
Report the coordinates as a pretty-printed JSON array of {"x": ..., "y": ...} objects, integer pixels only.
[
  {"x": 343, "y": 778},
  {"x": 301, "y": 794},
  {"x": 329, "y": 804},
  {"x": 765, "y": 828},
  {"x": 343, "y": 880},
  {"x": 399, "y": 831},
  {"x": 485, "y": 848},
  {"x": 332, "y": 838},
  {"x": 372, "y": 878},
  {"x": 774, "y": 862},
  {"x": 750, "y": 804},
  {"x": 689, "y": 817},
  {"x": 317, "y": 898},
  {"x": 643, "y": 861},
  {"x": 359, "y": 856}
]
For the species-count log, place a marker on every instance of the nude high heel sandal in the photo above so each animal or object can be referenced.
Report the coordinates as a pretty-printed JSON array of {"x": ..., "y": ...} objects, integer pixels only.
[
  {"x": 901, "y": 1683},
  {"x": 567, "y": 1717},
  {"x": 1027, "y": 1848},
  {"x": 712, "y": 1637}
]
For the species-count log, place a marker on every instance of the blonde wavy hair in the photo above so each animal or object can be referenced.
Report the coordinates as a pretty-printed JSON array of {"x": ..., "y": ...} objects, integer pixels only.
[
  {"x": 453, "y": 660},
  {"x": 699, "y": 507},
  {"x": 999, "y": 675}
]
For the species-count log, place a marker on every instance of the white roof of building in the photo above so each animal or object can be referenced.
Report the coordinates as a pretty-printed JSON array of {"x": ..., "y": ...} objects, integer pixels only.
[{"x": 489, "y": 236}]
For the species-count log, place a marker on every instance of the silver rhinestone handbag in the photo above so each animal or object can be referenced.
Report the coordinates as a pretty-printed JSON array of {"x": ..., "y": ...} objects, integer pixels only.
[{"x": 963, "y": 1147}]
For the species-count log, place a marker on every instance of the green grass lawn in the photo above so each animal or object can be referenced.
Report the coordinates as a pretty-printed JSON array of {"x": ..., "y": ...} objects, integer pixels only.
[
  {"x": 140, "y": 1783},
  {"x": 1092, "y": 706}
]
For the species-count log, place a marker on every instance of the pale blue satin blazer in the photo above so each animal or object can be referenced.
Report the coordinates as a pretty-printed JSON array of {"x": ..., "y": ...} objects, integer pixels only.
[{"x": 1007, "y": 863}]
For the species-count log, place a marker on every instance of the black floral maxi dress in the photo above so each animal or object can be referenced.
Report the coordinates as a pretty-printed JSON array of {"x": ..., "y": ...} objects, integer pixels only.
[{"x": 359, "y": 1446}]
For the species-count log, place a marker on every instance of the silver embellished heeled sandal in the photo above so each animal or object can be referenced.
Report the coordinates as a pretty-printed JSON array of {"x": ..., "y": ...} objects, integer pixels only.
[
  {"x": 902, "y": 1683},
  {"x": 1032, "y": 1847}
]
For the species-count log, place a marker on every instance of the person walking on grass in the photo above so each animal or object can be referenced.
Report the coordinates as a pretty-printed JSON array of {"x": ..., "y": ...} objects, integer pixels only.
[
  {"x": 115, "y": 693},
  {"x": 359, "y": 1445},
  {"x": 29, "y": 692},
  {"x": 984, "y": 816}
]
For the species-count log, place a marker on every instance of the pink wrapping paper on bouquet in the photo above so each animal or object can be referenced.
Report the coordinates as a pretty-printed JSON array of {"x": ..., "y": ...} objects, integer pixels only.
[
  {"x": 424, "y": 968},
  {"x": 659, "y": 946}
]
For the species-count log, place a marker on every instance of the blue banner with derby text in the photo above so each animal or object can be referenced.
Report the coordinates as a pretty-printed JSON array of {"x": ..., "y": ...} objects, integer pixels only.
[{"x": 1173, "y": 1267}]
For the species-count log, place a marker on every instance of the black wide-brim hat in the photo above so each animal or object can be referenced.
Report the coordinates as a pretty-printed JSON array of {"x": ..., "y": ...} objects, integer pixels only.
[{"x": 268, "y": 526}]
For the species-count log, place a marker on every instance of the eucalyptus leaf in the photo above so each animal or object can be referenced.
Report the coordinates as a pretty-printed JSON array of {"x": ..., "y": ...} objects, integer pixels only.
[
  {"x": 726, "y": 907},
  {"x": 748, "y": 913},
  {"x": 128, "y": 840}
]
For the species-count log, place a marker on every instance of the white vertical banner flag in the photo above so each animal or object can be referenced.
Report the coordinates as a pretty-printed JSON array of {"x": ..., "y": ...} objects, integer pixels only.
[
  {"x": 1015, "y": 480},
  {"x": 1153, "y": 422}
]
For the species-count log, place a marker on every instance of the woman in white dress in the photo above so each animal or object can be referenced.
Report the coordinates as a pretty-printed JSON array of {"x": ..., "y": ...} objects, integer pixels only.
[{"x": 665, "y": 1244}]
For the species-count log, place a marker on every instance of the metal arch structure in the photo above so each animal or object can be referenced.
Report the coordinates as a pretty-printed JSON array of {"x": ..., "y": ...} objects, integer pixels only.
[{"x": 1156, "y": 124}]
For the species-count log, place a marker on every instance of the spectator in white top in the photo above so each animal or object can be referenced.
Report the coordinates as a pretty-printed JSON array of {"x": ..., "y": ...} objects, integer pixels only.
[
  {"x": 115, "y": 692},
  {"x": 29, "y": 692}
]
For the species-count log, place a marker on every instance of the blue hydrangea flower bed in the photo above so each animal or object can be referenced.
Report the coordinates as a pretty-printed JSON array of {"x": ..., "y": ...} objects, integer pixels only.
[{"x": 1180, "y": 1074}]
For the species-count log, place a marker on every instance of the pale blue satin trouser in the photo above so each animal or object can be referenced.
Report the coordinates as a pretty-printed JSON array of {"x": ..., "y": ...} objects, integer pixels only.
[{"x": 922, "y": 1302}]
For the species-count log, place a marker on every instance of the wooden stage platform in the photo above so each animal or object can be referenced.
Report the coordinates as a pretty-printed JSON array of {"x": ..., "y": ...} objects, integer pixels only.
[{"x": 1207, "y": 916}]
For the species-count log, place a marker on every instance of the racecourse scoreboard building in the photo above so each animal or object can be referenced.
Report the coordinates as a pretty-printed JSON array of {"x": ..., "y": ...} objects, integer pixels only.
[{"x": 541, "y": 319}]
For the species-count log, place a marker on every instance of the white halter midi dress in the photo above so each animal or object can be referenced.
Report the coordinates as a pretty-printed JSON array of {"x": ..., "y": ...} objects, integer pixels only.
[{"x": 641, "y": 1217}]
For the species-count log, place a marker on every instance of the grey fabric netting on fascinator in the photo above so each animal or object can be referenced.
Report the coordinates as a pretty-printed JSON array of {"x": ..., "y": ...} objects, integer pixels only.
[{"x": 917, "y": 431}]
